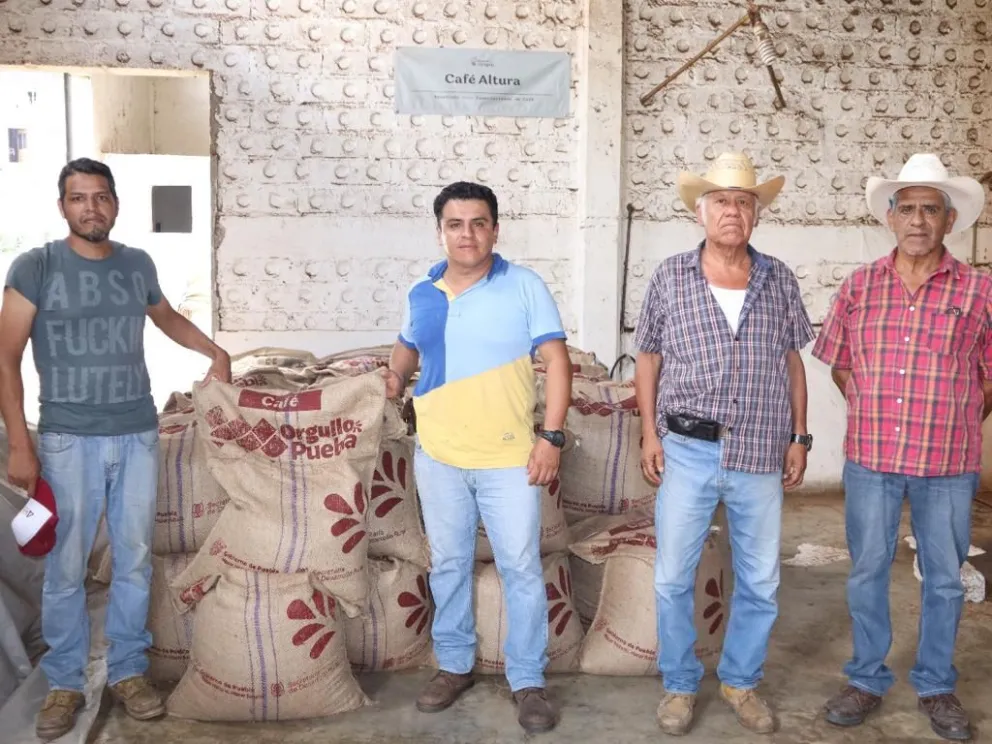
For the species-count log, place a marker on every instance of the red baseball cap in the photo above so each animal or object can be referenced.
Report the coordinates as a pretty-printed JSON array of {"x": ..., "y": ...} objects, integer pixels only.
[{"x": 34, "y": 525}]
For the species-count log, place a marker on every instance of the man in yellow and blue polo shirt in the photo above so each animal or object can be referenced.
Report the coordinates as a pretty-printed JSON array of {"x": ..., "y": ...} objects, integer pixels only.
[{"x": 472, "y": 325}]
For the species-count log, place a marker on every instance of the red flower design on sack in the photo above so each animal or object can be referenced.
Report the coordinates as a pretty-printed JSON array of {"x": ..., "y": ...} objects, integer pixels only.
[
  {"x": 558, "y": 599},
  {"x": 217, "y": 547},
  {"x": 335, "y": 503},
  {"x": 418, "y": 603},
  {"x": 320, "y": 620},
  {"x": 277, "y": 689},
  {"x": 385, "y": 480},
  {"x": 554, "y": 490},
  {"x": 714, "y": 610},
  {"x": 172, "y": 428}
]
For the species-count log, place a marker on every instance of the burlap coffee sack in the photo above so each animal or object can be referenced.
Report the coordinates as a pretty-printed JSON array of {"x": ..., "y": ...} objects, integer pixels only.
[
  {"x": 564, "y": 629},
  {"x": 576, "y": 355},
  {"x": 623, "y": 638},
  {"x": 189, "y": 501},
  {"x": 395, "y": 633},
  {"x": 266, "y": 647},
  {"x": 394, "y": 525},
  {"x": 271, "y": 357},
  {"x": 297, "y": 468},
  {"x": 554, "y": 531},
  {"x": 601, "y": 473},
  {"x": 171, "y": 632}
]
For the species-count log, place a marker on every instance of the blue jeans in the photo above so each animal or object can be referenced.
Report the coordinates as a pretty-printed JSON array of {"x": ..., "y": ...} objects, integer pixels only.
[
  {"x": 940, "y": 510},
  {"x": 694, "y": 483},
  {"x": 86, "y": 474},
  {"x": 452, "y": 500}
]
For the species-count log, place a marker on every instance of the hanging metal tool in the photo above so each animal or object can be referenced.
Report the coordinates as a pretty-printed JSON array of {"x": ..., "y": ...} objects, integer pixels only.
[
  {"x": 766, "y": 51},
  {"x": 624, "y": 328}
]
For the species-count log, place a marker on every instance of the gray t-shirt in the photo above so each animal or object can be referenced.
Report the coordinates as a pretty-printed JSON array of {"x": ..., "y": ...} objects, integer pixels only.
[{"x": 88, "y": 337}]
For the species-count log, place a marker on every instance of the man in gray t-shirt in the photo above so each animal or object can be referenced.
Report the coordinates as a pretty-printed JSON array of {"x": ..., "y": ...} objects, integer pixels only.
[{"x": 82, "y": 303}]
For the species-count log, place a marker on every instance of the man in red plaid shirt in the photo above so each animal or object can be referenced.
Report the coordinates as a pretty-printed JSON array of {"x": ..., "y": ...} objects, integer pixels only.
[{"x": 909, "y": 343}]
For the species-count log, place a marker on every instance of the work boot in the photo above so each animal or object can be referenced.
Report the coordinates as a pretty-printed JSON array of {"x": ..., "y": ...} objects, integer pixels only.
[
  {"x": 444, "y": 689},
  {"x": 752, "y": 712},
  {"x": 58, "y": 714},
  {"x": 141, "y": 701},
  {"x": 947, "y": 716},
  {"x": 851, "y": 706},
  {"x": 535, "y": 712},
  {"x": 675, "y": 712}
]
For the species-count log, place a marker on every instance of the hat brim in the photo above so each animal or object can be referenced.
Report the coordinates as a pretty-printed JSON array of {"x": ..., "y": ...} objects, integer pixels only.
[
  {"x": 691, "y": 187},
  {"x": 967, "y": 197}
]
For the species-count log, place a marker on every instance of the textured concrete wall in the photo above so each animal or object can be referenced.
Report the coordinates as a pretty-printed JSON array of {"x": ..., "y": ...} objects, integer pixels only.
[{"x": 323, "y": 192}]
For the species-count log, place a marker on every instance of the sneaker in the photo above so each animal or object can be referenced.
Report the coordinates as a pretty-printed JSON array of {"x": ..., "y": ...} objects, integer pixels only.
[
  {"x": 536, "y": 714},
  {"x": 58, "y": 714},
  {"x": 752, "y": 712},
  {"x": 141, "y": 700},
  {"x": 675, "y": 712},
  {"x": 443, "y": 690},
  {"x": 851, "y": 706}
]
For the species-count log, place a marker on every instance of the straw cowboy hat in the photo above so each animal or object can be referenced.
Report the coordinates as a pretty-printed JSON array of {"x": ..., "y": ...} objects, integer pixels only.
[
  {"x": 729, "y": 171},
  {"x": 925, "y": 169}
]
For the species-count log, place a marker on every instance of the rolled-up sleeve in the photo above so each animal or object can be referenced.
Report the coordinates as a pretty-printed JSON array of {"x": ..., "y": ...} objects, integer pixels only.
[
  {"x": 649, "y": 335},
  {"x": 832, "y": 346}
]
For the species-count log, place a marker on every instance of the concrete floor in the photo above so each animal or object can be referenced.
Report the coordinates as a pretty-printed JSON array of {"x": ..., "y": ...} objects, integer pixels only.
[{"x": 809, "y": 646}]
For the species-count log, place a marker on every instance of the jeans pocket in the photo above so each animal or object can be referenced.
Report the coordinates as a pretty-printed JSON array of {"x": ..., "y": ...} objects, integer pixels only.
[
  {"x": 55, "y": 443},
  {"x": 148, "y": 438}
]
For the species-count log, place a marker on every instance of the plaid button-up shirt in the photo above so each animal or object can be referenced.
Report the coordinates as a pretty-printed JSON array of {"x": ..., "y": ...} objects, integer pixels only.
[
  {"x": 914, "y": 401},
  {"x": 740, "y": 381}
]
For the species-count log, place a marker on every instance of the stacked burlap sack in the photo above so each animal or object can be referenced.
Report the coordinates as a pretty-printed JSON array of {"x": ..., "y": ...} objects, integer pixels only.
[
  {"x": 297, "y": 482},
  {"x": 609, "y": 507}
]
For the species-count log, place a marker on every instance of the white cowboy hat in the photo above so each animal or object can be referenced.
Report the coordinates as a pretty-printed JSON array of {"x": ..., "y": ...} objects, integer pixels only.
[
  {"x": 729, "y": 171},
  {"x": 925, "y": 169}
]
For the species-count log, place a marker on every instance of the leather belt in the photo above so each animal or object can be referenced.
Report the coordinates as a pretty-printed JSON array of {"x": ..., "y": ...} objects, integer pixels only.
[{"x": 696, "y": 428}]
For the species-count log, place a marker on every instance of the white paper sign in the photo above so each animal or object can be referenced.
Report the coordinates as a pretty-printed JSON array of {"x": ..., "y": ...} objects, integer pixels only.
[
  {"x": 29, "y": 520},
  {"x": 482, "y": 82}
]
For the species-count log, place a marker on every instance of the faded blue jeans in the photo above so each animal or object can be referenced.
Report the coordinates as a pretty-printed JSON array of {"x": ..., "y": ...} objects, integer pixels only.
[
  {"x": 87, "y": 475},
  {"x": 694, "y": 483},
  {"x": 940, "y": 511},
  {"x": 452, "y": 500}
]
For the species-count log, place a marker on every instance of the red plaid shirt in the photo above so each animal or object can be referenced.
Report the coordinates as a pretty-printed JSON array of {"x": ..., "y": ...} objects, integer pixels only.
[{"x": 917, "y": 364}]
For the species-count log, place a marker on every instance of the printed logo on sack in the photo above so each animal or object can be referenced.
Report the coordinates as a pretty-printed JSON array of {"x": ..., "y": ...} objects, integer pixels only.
[
  {"x": 559, "y": 596},
  {"x": 348, "y": 523},
  {"x": 588, "y": 407},
  {"x": 638, "y": 533},
  {"x": 316, "y": 442},
  {"x": 388, "y": 480},
  {"x": 554, "y": 490},
  {"x": 320, "y": 620},
  {"x": 418, "y": 604},
  {"x": 714, "y": 610}
]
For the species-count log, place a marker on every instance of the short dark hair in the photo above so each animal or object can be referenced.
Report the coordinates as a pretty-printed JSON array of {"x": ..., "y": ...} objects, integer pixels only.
[
  {"x": 89, "y": 168},
  {"x": 464, "y": 191}
]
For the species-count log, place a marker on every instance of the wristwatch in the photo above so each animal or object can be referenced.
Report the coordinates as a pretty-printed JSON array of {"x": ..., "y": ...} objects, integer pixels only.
[
  {"x": 806, "y": 440},
  {"x": 557, "y": 438}
]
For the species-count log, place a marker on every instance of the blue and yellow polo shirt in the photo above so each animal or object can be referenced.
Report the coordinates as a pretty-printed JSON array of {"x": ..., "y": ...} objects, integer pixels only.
[{"x": 475, "y": 397}]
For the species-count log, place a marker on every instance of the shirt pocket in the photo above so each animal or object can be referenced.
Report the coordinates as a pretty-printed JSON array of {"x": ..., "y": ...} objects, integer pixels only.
[{"x": 950, "y": 334}]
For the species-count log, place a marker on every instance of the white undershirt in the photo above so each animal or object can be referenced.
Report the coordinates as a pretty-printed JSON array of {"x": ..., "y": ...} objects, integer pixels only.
[{"x": 731, "y": 301}]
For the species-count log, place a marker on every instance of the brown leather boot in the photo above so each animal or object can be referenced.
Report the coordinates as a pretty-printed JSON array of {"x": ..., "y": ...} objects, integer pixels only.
[
  {"x": 851, "y": 706},
  {"x": 536, "y": 714},
  {"x": 675, "y": 713},
  {"x": 140, "y": 699},
  {"x": 752, "y": 712},
  {"x": 58, "y": 714},
  {"x": 947, "y": 717},
  {"x": 443, "y": 690}
]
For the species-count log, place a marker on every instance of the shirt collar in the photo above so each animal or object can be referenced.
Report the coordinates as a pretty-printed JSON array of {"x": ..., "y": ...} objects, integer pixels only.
[
  {"x": 499, "y": 266},
  {"x": 758, "y": 259},
  {"x": 948, "y": 264}
]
